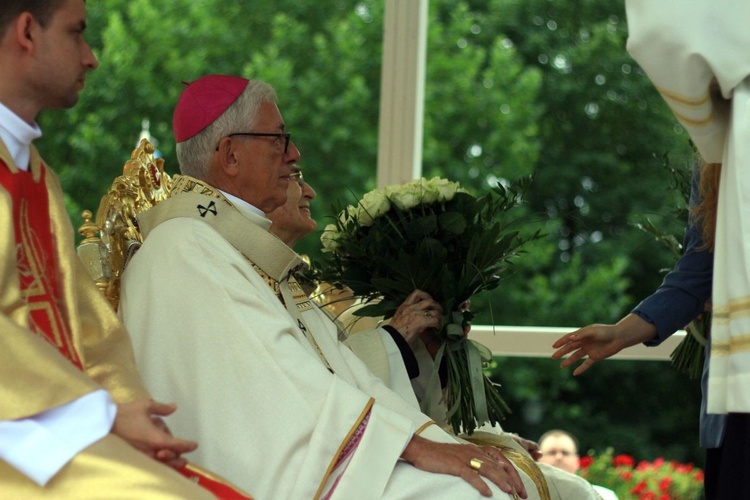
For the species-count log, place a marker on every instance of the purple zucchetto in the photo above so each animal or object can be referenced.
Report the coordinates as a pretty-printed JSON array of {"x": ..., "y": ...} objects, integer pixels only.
[{"x": 203, "y": 101}]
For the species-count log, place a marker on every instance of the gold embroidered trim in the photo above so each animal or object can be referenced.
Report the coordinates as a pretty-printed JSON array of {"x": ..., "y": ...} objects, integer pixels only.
[
  {"x": 521, "y": 460},
  {"x": 688, "y": 102},
  {"x": 527, "y": 464},
  {"x": 694, "y": 122},
  {"x": 298, "y": 295},
  {"x": 187, "y": 184},
  {"x": 685, "y": 101},
  {"x": 272, "y": 283},
  {"x": 737, "y": 308},
  {"x": 735, "y": 345},
  {"x": 343, "y": 444},
  {"x": 424, "y": 426},
  {"x": 301, "y": 300}
]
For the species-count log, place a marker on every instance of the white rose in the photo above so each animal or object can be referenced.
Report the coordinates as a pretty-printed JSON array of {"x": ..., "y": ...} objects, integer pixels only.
[
  {"x": 406, "y": 196},
  {"x": 445, "y": 188},
  {"x": 429, "y": 193},
  {"x": 363, "y": 217},
  {"x": 347, "y": 214},
  {"x": 373, "y": 205},
  {"x": 329, "y": 238}
]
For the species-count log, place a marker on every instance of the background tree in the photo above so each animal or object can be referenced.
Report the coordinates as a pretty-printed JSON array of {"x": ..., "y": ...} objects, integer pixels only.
[
  {"x": 606, "y": 135},
  {"x": 512, "y": 87}
]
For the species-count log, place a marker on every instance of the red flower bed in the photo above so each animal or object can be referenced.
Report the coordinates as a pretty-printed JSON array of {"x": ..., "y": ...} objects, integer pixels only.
[{"x": 656, "y": 480}]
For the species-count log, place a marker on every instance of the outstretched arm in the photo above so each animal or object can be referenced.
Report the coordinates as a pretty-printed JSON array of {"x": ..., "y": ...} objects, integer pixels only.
[
  {"x": 597, "y": 342},
  {"x": 679, "y": 299}
]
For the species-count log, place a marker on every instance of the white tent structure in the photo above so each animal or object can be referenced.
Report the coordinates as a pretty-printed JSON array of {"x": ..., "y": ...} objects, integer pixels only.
[{"x": 402, "y": 91}]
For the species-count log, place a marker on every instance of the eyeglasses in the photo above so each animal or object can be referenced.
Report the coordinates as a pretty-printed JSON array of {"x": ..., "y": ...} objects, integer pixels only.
[
  {"x": 296, "y": 176},
  {"x": 286, "y": 135}
]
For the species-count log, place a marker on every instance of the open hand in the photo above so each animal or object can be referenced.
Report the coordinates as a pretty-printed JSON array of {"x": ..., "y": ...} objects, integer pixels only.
[
  {"x": 139, "y": 423},
  {"x": 597, "y": 342},
  {"x": 593, "y": 342}
]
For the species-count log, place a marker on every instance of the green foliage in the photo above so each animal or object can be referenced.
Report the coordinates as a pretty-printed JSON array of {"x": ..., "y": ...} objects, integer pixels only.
[
  {"x": 643, "y": 408},
  {"x": 482, "y": 104},
  {"x": 604, "y": 128},
  {"x": 689, "y": 356},
  {"x": 539, "y": 292}
]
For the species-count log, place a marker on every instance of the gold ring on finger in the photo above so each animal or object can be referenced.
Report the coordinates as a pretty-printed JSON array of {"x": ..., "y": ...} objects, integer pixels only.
[{"x": 475, "y": 464}]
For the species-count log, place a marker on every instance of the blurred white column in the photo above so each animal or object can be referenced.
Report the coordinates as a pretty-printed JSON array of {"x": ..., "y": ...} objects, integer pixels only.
[{"x": 402, "y": 91}]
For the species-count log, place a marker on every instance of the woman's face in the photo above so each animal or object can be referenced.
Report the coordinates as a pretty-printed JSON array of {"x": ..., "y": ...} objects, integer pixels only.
[{"x": 293, "y": 220}]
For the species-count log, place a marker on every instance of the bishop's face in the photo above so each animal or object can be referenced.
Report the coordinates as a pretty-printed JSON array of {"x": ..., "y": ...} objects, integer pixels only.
[{"x": 263, "y": 166}]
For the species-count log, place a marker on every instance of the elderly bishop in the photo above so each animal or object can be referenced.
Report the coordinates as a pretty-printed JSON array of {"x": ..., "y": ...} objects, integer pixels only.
[{"x": 221, "y": 327}]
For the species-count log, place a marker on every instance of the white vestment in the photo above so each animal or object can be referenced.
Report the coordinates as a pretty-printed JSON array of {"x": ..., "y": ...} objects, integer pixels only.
[
  {"x": 275, "y": 401},
  {"x": 366, "y": 344},
  {"x": 696, "y": 54}
]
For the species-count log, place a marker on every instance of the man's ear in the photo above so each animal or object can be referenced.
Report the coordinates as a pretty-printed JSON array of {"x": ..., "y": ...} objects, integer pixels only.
[
  {"x": 25, "y": 28},
  {"x": 227, "y": 160}
]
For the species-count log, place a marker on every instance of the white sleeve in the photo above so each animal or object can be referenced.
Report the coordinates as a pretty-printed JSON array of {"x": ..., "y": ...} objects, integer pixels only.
[
  {"x": 41, "y": 445},
  {"x": 687, "y": 47},
  {"x": 399, "y": 378}
]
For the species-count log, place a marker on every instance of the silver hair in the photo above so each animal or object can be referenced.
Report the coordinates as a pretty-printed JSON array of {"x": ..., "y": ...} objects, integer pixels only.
[{"x": 194, "y": 154}]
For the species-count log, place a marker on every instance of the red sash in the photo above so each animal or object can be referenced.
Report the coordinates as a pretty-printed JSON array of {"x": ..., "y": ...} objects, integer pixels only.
[
  {"x": 218, "y": 486},
  {"x": 36, "y": 261}
]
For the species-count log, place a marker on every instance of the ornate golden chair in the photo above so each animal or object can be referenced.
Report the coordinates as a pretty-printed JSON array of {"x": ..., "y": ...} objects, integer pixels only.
[{"x": 110, "y": 242}]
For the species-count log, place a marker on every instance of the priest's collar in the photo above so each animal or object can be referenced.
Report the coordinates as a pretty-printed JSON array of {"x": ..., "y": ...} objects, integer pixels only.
[
  {"x": 17, "y": 135},
  {"x": 242, "y": 205}
]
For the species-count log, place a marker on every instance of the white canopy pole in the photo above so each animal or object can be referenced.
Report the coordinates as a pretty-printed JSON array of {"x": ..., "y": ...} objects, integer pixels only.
[{"x": 402, "y": 91}]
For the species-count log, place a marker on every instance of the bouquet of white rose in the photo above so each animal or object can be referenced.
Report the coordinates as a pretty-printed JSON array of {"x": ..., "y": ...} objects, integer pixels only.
[{"x": 433, "y": 236}]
